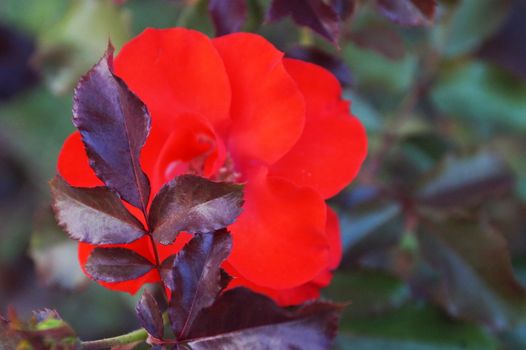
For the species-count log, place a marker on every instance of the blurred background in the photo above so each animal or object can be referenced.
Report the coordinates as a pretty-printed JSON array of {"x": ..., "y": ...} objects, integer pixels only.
[{"x": 434, "y": 227}]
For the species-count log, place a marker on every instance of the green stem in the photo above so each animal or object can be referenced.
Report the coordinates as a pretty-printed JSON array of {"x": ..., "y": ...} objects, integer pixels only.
[{"x": 132, "y": 337}]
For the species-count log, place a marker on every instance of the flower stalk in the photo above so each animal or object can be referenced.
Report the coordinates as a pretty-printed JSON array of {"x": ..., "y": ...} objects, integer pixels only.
[{"x": 129, "y": 338}]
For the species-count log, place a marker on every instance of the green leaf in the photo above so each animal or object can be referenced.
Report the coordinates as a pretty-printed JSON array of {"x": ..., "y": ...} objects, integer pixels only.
[
  {"x": 36, "y": 124},
  {"x": 481, "y": 93},
  {"x": 32, "y": 15},
  {"x": 68, "y": 49},
  {"x": 372, "y": 70},
  {"x": 472, "y": 22},
  {"x": 153, "y": 13},
  {"x": 363, "y": 223},
  {"x": 368, "y": 292},
  {"x": 364, "y": 111},
  {"x": 412, "y": 327}
]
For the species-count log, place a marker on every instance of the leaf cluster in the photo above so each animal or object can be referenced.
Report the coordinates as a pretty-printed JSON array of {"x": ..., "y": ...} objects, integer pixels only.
[
  {"x": 114, "y": 125},
  {"x": 323, "y": 17},
  {"x": 202, "y": 314},
  {"x": 45, "y": 330}
]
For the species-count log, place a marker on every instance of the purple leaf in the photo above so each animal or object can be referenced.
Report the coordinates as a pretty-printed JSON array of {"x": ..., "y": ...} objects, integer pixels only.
[
  {"x": 166, "y": 274},
  {"x": 150, "y": 315},
  {"x": 197, "y": 278},
  {"x": 457, "y": 182},
  {"x": 93, "y": 215},
  {"x": 241, "y": 319},
  {"x": 114, "y": 125},
  {"x": 502, "y": 48},
  {"x": 16, "y": 70},
  {"x": 471, "y": 275},
  {"x": 330, "y": 62},
  {"x": 193, "y": 204},
  {"x": 344, "y": 8},
  {"x": 116, "y": 265},
  {"x": 408, "y": 12},
  {"x": 166, "y": 271},
  {"x": 44, "y": 314},
  {"x": 228, "y": 15},
  {"x": 314, "y": 14}
]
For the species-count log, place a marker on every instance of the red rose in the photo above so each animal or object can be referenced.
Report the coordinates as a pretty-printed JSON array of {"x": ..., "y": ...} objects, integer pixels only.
[{"x": 234, "y": 109}]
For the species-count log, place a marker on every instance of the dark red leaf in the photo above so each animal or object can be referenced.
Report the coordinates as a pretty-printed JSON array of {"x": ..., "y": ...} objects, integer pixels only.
[
  {"x": 166, "y": 274},
  {"x": 193, "y": 204},
  {"x": 16, "y": 71},
  {"x": 166, "y": 271},
  {"x": 114, "y": 125},
  {"x": 116, "y": 265},
  {"x": 197, "y": 278},
  {"x": 503, "y": 49},
  {"x": 408, "y": 12},
  {"x": 458, "y": 182},
  {"x": 150, "y": 315},
  {"x": 314, "y": 14},
  {"x": 228, "y": 15},
  {"x": 93, "y": 215},
  {"x": 328, "y": 61},
  {"x": 241, "y": 319},
  {"x": 465, "y": 256}
]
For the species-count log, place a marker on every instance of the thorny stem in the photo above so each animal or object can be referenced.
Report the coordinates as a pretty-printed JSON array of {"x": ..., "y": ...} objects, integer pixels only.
[{"x": 132, "y": 337}]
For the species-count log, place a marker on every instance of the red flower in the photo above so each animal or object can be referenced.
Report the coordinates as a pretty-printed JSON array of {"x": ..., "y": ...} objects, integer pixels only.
[{"x": 234, "y": 109}]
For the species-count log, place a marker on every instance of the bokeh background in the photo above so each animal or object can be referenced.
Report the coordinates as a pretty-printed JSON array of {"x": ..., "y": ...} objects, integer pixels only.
[{"x": 434, "y": 227}]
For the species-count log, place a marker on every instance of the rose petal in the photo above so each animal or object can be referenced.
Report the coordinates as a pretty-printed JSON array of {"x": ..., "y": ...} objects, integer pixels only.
[
  {"x": 319, "y": 87},
  {"x": 73, "y": 164},
  {"x": 267, "y": 108},
  {"x": 165, "y": 251},
  {"x": 192, "y": 143},
  {"x": 284, "y": 297},
  {"x": 307, "y": 291},
  {"x": 174, "y": 71},
  {"x": 333, "y": 145},
  {"x": 279, "y": 239}
]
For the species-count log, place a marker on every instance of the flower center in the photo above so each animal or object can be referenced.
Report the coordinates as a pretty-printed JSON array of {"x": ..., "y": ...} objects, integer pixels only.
[
  {"x": 227, "y": 172},
  {"x": 206, "y": 163}
]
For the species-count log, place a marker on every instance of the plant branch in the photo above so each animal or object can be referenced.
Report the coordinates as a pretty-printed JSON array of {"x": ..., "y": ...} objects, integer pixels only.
[
  {"x": 132, "y": 337},
  {"x": 429, "y": 64}
]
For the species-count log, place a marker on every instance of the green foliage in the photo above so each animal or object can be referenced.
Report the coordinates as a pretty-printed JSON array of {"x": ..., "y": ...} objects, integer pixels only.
[
  {"x": 481, "y": 92},
  {"x": 468, "y": 24},
  {"x": 414, "y": 327}
]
